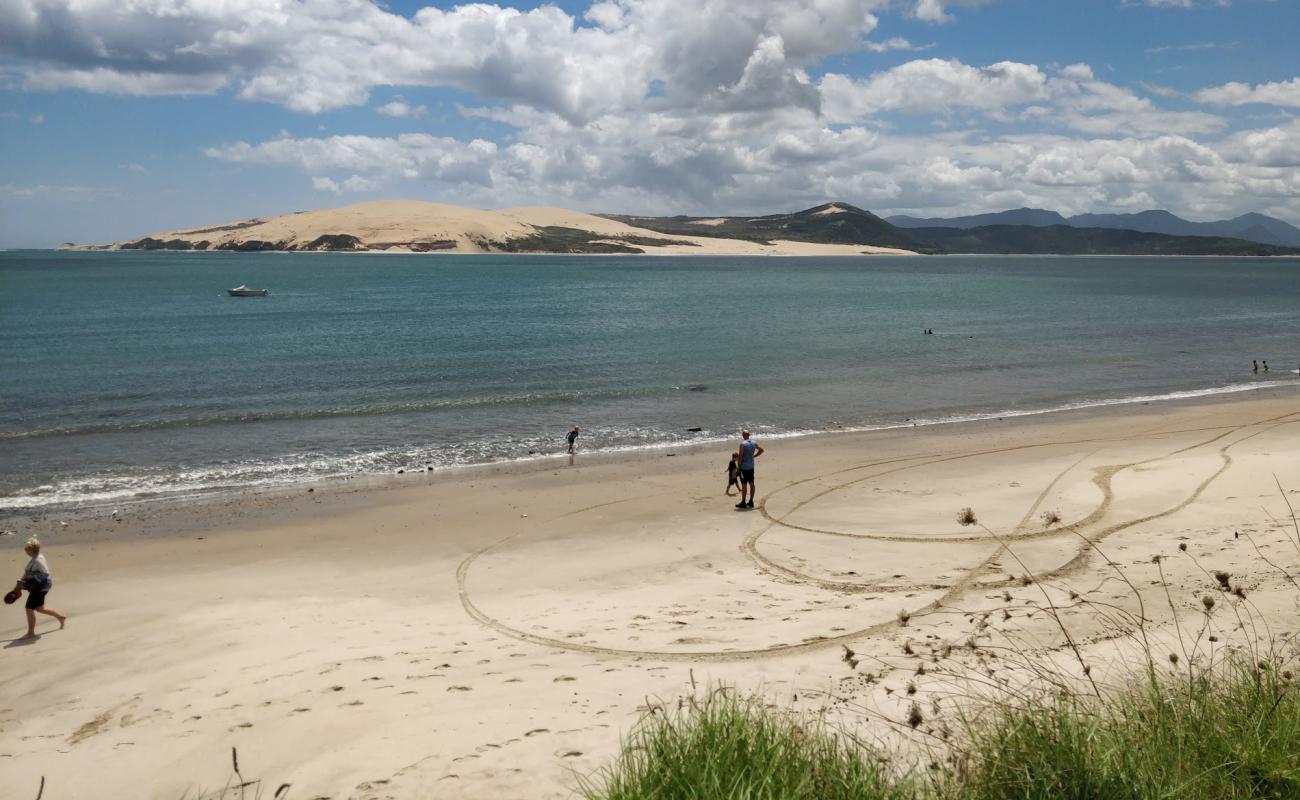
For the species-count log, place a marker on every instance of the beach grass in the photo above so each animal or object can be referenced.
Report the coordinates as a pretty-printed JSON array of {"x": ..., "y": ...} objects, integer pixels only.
[
  {"x": 725, "y": 746},
  {"x": 1232, "y": 733},
  {"x": 1229, "y": 734}
]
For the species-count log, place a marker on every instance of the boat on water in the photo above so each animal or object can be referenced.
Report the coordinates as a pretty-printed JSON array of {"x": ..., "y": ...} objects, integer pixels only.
[{"x": 243, "y": 291}]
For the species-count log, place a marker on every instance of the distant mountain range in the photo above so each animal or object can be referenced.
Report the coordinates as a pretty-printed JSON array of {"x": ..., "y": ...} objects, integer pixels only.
[
  {"x": 1025, "y": 230},
  {"x": 1067, "y": 240},
  {"x": 1251, "y": 227}
]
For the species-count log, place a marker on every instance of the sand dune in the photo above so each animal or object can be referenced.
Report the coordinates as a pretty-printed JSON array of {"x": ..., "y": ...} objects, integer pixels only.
[
  {"x": 418, "y": 226},
  {"x": 490, "y": 633}
]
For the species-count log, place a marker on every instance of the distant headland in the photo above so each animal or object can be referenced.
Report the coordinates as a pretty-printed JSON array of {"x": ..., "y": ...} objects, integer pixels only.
[{"x": 830, "y": 229}]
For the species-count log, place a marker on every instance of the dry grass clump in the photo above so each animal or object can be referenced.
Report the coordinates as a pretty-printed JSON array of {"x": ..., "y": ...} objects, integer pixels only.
[{"x": 240, "y": 789}]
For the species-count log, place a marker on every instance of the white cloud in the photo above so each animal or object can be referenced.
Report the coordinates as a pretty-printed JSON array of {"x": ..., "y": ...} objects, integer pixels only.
[
  {"x": 1268, "y": 147},
  {"x": 1157, "y": 89},
  {"x": 933, "y": 85},
  {"x": 1084, "y": 103},
  {"x": 1074, "y": 98},
  {"x": 400, "y": 109},
  {"x": 34, "y": 119},
  {"x": 1171, "y": 48},
  {"x": 668, "y": 163},
  {"x": 102, "y": 80},
  {"x": 894, "y": 43},
  {"x": 326, "y": 54},
  {"x": 1178, "y": 3},
  {"x": 410, "y": 156},
  {"x": 1280, "y": 93},
  {"x": 324, "y": 184},
  {"x": 931, "y": 11},
  {"x": 67, "y": 191},
  {"x": 935, "y": 10},
  {"x": 356, "y": 183}
]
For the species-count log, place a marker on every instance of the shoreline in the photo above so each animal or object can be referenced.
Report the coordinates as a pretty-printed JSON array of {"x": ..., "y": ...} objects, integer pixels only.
[
  {"x": 187, "y": 513},
  {"x": 162, "y": 497},
  {"x": 878, "y": 251},
  {"x": 491, "y": 633}
]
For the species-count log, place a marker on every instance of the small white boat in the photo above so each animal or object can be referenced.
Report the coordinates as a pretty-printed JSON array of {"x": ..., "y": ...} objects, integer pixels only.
[{"x": 243, "y": 291}]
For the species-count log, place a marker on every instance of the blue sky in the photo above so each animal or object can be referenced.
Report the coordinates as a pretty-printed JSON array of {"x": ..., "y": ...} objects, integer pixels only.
[{"x": 119, "y": 119}]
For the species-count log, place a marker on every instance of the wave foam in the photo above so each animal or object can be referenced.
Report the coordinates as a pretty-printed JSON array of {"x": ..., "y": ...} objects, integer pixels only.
[{"x": 101, "y": 489}]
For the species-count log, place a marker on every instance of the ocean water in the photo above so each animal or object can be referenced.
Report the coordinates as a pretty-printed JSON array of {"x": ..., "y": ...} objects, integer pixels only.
[{"x": 134, "y": 375}]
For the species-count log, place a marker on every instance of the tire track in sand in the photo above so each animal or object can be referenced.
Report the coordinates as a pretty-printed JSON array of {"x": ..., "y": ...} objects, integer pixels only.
[{"x": 1103, "y": 479}]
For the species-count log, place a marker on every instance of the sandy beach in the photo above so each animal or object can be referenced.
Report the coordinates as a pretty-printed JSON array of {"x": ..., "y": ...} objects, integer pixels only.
[{"x": 490, "y": 633}]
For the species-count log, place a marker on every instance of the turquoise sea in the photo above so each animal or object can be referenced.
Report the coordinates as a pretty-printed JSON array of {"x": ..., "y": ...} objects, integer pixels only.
[{"x": 134, "y": 375}]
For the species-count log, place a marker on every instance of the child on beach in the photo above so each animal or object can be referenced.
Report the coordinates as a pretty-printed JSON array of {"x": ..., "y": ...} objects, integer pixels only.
[
  {"x": 733, "y": 471},
  {"x": 37, "y": 583},
  {"x": 572, "y": 438}
]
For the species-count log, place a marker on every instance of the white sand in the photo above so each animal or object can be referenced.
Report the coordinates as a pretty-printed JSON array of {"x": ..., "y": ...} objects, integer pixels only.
[
  {"x": 394, "y": 225},
  {"x": 487, "y": 633}
]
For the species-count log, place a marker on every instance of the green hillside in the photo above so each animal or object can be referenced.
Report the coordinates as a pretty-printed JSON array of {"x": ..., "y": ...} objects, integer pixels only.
[{"x": 830, "y": 223}]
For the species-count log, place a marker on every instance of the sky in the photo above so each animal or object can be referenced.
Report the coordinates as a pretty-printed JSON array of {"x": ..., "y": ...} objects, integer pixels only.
[{"x": 120, "y": 118}]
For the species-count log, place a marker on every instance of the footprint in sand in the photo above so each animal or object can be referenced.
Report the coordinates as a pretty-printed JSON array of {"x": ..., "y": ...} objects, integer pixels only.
[
  {"x": 536, "y": 731},
  {"x": 459, "y": 689}
]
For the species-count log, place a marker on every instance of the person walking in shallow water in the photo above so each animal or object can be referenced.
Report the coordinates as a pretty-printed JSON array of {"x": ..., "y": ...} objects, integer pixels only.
[
  {"x": 748, "y": 451},
  {"x": 37, "y": 583},
  {"x": 572, "y": 436}
]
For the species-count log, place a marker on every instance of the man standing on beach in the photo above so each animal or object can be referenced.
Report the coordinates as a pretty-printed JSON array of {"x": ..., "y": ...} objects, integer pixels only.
[{"x": 749, "y": 450}]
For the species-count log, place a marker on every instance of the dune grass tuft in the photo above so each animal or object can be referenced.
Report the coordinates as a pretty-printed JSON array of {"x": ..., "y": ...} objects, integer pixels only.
[
  {"x": 729, "y": 747},
  {"x": 1231, "y": 734}
]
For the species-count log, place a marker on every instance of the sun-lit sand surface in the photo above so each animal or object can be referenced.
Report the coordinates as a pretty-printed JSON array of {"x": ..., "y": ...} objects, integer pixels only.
[
  {"x": 393, "y": 225},
  {"x": 490, "y": 633}
]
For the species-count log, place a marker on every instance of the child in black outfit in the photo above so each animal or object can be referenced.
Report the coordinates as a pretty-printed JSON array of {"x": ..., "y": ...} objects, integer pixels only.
[{"x": 733, "y": 470}]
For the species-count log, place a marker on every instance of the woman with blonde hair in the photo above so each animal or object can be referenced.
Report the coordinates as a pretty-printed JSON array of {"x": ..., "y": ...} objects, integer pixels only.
[{"x": 37, "y": 583}]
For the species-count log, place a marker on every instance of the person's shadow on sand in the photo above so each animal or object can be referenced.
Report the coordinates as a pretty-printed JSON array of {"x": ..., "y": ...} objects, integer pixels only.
[{"x": 24, "y": 641}]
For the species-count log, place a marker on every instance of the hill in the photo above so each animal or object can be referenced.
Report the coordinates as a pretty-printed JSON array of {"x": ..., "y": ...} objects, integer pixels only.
[
  {"x": 1067, "y": 240},
  {"x": 832, "y": 223},
  {"x": 413, "y": 226},
  {"x": 1251, "y": 227},
  {"x": 1018, "y": 216}
]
